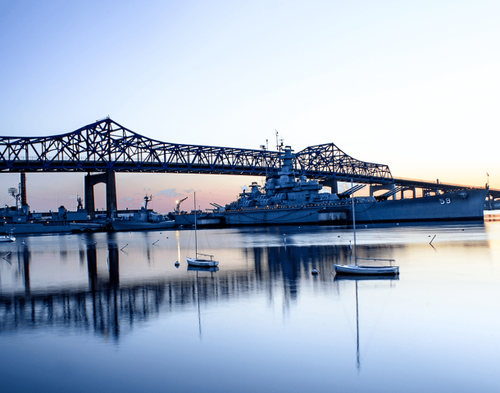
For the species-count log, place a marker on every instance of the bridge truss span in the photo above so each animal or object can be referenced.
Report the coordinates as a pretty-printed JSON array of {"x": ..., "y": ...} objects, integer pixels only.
[
  {"x": 107, "y": 146},
  {"x": 327, "y": 159}
]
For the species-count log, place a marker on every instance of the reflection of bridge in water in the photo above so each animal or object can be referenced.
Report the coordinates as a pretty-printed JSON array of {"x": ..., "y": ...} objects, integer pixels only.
[{"x": 111, "y": 308}]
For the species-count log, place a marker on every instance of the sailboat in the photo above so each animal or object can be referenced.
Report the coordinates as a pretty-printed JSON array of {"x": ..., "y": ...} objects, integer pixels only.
[
  {"x": 197, "y": 261},
  {"x": 364, "y": 269},
  {"x": 7, "y": 238}
]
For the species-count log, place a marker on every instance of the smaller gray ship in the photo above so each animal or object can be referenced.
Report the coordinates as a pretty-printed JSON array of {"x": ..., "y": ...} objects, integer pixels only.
[
  {"x": 144, "y": 219},
  {"x": 19, "y": 219}
]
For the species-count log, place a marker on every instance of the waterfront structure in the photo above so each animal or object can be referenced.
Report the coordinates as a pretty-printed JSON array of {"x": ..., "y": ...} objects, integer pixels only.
[{"x": 104, "y": 147}]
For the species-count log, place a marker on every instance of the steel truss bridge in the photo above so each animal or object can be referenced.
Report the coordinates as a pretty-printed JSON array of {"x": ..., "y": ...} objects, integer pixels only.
[{"x": 106, "y": 146}]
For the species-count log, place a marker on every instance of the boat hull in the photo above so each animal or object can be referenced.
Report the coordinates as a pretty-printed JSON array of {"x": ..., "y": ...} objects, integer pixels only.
[
  {"x": 366, "y": 270},
  {"x": 141, "y": 226},
  {"x": 36, "y": 228},
  {"x": 451, "y": 206},
  {"x": 197, "y": 262},
  {"x": 206, "y": 220}
]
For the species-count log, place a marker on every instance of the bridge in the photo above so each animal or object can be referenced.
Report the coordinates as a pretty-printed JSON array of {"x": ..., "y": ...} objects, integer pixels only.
[{"x": 106, "y": 147}]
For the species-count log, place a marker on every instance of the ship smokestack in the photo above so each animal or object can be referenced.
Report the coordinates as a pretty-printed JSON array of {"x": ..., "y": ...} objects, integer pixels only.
[{"x": 24, "y": 200}]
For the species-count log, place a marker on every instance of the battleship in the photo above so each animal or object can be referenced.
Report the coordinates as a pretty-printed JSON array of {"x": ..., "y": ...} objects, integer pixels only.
[{"x": 290, "y": 198}]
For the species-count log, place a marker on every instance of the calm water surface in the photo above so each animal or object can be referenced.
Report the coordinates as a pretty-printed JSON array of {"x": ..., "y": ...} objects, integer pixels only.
[{"x": 112, "y": 313}]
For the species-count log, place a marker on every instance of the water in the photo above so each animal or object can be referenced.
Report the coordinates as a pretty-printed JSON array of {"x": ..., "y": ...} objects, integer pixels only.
[{"x": 111, "y": 312}]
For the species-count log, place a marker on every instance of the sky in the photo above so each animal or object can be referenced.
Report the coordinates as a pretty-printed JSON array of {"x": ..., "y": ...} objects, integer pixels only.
[{"x": 410, "y": 84}]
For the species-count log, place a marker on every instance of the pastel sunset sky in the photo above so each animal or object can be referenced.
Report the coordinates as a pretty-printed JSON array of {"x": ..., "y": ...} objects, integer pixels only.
[{"x": 411, "y": 84}]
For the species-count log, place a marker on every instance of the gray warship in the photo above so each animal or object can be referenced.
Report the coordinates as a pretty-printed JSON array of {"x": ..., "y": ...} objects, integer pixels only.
[
  {"x": 290, "y": 198},
  {"x": 19, "y": 219},
  {"x": 144, "y": 219}
]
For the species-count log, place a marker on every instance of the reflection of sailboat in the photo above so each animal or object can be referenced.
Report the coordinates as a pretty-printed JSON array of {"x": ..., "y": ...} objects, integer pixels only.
[
  {"x": 364, "y": 269},
  {"x": 356, "y": 279},
  {"x": 197, "y": 261},
  {"x": 212, "y": 269},
  {"x": 197, "y": 270}
]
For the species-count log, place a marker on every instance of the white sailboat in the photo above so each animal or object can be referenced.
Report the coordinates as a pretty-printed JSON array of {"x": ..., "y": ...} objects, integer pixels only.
[
  {"x": 7, "y": 238},
  {"x": 197, "y": 261},
  {"x": 364, "y": 269}
]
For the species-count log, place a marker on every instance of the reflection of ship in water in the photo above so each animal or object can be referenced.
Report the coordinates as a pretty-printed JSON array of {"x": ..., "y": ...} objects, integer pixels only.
[{"x": 112, "y": 306}]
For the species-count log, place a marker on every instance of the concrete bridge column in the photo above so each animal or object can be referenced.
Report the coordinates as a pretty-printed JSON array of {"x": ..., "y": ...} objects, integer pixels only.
[
  {"x": 333, "y": 184},
  {"x": 412, "y": 189},
  {"x": 90, "y": 181}
]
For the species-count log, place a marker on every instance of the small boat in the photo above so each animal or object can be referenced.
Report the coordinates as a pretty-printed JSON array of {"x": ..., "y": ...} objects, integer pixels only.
[
  {"x": 197, "y": 261},
  {"x": 7, "y": 238},
  {"x": 200, "y": 262},
  {"x": 366, "y": 270},
  {"x": 363, "y": 269}
]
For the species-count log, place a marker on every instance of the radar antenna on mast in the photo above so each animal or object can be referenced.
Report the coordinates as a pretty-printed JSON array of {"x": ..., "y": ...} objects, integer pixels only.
[
  {"x": 80, "y": 202},
  {"x": 14, "y": 192},
  {"x": 279, "y": 142},
  {"x": 146, "y": 200}
]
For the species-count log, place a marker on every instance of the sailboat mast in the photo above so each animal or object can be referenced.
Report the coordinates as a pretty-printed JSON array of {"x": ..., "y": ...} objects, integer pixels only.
[
  {"x": 354, "y": 224},
  {"x": 357, "y": 328},
  {"x": 195, "y": 231}
]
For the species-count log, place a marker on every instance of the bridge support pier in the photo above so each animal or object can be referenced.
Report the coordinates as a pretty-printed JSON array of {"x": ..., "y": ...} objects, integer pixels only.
[
  {"x": 90, "y": 181},
  {"x": 333, "y": 184},
  {"x": 412, "y": 189},
  {"x": 490, "y": 202},
  {"x": 388, "y": 187}
]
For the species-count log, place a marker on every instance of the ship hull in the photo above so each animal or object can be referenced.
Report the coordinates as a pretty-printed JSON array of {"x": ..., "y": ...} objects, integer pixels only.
[
  {"x": 451, "y": 206},
  {"x": 285, "y": 216},
  {"x": 208, "y": 220},
  {"x": 141, "y": 226},
  {"x": 36, "y": 228}
]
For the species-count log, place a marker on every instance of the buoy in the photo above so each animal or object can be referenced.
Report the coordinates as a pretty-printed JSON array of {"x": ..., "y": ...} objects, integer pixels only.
[
  {"x": 177, "y": 264},
  {"x": 314, "y": 271}
]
